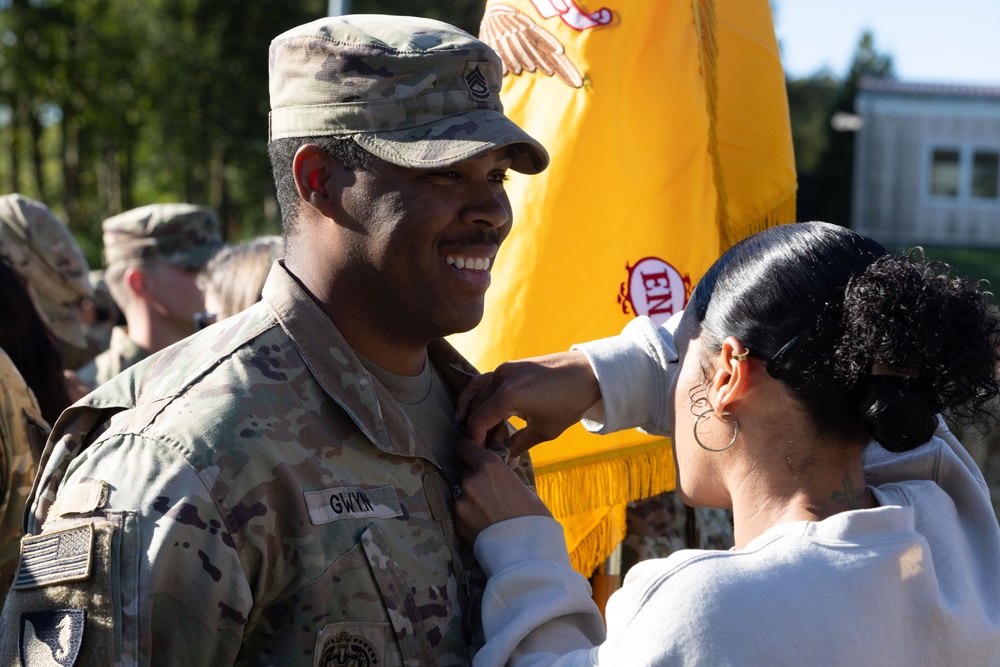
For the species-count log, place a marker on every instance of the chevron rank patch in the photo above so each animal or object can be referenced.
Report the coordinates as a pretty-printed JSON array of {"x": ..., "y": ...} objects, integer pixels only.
[
  {"x": 55, "y": 558},
  {"x": 51, "y": 637}
]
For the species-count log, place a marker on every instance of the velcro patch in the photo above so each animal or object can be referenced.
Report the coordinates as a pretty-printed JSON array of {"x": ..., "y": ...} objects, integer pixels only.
[
  {"x": 83, "y": 498},
  {"x": 352, "y": 502},
  {"x": 51, "y": 637},
  {"x": 54, "y": 558}
]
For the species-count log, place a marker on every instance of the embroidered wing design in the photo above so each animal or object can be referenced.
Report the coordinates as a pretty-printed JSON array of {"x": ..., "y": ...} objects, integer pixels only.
[{"x": 525, "y": 46}]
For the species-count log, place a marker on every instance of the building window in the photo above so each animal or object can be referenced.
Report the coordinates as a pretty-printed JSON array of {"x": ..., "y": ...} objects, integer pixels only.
[
  {"x": 944, "y": 173},
  {"x": 985, "y": 174}
]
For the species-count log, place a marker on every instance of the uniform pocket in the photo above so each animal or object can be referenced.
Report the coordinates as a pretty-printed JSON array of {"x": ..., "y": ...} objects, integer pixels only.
[
  {"x": 346, "y": 597},
  {"x": 399, "y": 601}
]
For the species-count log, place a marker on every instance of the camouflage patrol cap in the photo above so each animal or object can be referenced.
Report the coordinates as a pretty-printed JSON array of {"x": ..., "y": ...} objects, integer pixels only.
[
  {"x": 415, "y": 92},
  {"x": 182, "y": 234},
  {"x": 44, "y": 253}
]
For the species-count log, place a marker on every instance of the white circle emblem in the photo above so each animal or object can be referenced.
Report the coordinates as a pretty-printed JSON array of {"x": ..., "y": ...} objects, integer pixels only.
[{"x": 656, "y": 289}]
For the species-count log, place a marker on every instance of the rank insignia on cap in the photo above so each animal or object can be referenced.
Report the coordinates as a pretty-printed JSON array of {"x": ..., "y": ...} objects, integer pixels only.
[
  {"x": 51, "y": 637},
  {"x": 479, "y": 88}
]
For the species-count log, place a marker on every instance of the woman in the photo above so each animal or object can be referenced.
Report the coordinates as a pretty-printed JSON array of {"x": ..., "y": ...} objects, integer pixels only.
[
  {"x": 234, "y": 278},
  {"x": 800, "y": 345}
]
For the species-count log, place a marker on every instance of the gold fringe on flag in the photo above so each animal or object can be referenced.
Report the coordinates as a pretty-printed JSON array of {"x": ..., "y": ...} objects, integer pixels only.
[
  {"x": 593, "y": 550},
  {"x": 609, "y": 478}
]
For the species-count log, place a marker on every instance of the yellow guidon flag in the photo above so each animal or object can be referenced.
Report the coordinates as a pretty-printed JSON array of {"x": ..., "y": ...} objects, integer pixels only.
[{"x": 667, "y": 123}]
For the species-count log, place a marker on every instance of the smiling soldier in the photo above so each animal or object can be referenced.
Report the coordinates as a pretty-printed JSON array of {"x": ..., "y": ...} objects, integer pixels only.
[{"x": 277, "y": 489}]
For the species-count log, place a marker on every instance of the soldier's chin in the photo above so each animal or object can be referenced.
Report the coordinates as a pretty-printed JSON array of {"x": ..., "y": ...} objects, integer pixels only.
[{"x": 466, "y": 322}]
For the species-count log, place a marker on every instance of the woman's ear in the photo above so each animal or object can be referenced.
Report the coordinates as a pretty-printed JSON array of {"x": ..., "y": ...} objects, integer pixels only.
[{"x": 732, "y": 377}]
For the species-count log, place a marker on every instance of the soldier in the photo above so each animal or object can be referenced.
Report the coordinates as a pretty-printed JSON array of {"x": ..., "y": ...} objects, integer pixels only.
[
  {"x": 278, "y": 488},
  {"x": 43, "y": 252},
  {"x": 24, "y": 345},
  {"x": 43, "y": 277},
  {"x": 234, "y": 278},
  {"x": 153, "y": 255}
]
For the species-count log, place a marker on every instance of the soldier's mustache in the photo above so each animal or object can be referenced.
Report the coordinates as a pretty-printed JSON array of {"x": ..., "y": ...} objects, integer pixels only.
[{"x": 490, "y": 237}]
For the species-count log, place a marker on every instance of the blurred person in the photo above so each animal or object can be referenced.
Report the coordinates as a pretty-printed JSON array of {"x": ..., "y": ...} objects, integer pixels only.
[
  {"x": 43, "y": 252},
  {"x": 233, "y": 279},
  {"x": 99, "y": 314},
  {"x": 278, "y": 488},
  {"x": 26, "y": 339},
  {"x": 802, "y": 387},
  {"x": 656, "y": 527},
  {"x": 32, "y": 395},
  {"x": 153, "y": 254}
]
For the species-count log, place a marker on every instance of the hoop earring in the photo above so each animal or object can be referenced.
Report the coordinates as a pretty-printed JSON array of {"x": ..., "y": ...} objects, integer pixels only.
[{"x": 701, "y": 444}]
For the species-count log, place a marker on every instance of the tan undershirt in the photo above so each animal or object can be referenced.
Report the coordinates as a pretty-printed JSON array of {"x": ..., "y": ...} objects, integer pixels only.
[{"x": 429, "y": 408}]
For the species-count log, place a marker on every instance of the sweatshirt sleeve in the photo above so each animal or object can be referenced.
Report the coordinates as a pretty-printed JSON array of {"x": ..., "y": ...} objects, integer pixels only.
[
  {"x": 537, "y": 611},
  {"x": 634, "y": 371}
]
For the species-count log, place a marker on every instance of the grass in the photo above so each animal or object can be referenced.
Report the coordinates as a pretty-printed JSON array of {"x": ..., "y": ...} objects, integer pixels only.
[{"x": 970, "y": 263}]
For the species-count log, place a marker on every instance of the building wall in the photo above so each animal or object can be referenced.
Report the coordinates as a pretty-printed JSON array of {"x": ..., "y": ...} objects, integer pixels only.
[{"x": 892, "y": 174}]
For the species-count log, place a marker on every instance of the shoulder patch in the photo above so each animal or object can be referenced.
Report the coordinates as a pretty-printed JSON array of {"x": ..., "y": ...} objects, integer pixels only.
[
  {"x": 55, "y": 558},
  {"x": 352, "y": 502},
  {"x": 51, "y": 637}
]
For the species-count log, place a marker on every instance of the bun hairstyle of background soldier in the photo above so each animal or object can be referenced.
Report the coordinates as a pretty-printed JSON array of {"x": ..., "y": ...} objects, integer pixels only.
[
  {"x": 233, "y": 279},
  {"x": 873, "y": 344}
]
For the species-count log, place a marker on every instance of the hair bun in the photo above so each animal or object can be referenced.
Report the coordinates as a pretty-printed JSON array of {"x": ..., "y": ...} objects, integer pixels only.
[
  {"x": 899, "y": 415},
  {"x": 908, "y": 313}
]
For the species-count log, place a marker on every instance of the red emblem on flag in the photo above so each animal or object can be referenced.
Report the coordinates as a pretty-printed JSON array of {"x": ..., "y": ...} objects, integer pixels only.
[{"x": 654, "y": 288}]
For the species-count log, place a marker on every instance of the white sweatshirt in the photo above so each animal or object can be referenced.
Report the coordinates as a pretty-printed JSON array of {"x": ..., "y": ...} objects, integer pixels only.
[{"x": 915, "y": 581}]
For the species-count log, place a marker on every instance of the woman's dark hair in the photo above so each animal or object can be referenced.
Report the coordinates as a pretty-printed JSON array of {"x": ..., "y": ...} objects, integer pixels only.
[
  {"x": 873, "y": 344},
  {"x": 26, "y": 340}
]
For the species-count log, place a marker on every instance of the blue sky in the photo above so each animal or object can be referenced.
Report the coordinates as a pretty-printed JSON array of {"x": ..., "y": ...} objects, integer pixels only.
[{"x": 931, "y": 41}]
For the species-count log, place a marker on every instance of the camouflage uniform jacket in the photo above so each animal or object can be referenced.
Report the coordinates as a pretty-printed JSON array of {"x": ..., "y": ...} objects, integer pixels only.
[
  {"x": 122, "y": 353},
  {"x": 248, "y": 496},
  {"x": 20, "y": 423}
]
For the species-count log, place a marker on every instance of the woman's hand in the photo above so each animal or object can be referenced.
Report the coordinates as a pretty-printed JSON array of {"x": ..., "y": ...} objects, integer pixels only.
[
  {"x": 550, "y": 393},
  {"x": 490, "y": 492}
]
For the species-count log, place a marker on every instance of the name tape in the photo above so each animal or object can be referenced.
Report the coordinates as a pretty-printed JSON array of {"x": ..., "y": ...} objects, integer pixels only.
[{"x": 352, "y": 502}]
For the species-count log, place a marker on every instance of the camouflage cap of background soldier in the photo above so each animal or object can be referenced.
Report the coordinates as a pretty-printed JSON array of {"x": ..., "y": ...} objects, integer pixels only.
[
  {"x": 184, "y": 235},
  {"x": 44, "y": 253},
  {"x": 415, "y": 92}
]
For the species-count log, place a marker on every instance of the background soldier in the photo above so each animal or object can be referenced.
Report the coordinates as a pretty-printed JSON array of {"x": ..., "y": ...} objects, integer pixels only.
[{"x": 153, "y": 255}]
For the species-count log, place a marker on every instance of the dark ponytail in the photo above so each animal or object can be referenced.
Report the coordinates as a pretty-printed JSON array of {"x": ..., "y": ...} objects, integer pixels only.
[
  {"x": 873, "y": 345},
  {"x": 916, "y": 341}
]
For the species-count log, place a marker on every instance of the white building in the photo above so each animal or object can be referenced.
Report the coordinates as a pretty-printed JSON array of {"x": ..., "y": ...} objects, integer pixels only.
[{"x": 927, "y": 164}]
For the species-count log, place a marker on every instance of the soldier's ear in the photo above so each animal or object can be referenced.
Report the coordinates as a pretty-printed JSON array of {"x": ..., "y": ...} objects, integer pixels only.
[
  {"x": 313, "y": 169},
  {"x": 135, "y": 280}
]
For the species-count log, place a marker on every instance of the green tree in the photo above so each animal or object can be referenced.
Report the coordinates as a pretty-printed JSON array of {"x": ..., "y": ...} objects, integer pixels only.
[
  {"x": 110, "y": 104},
  {"x": 825, "y": 184}
]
